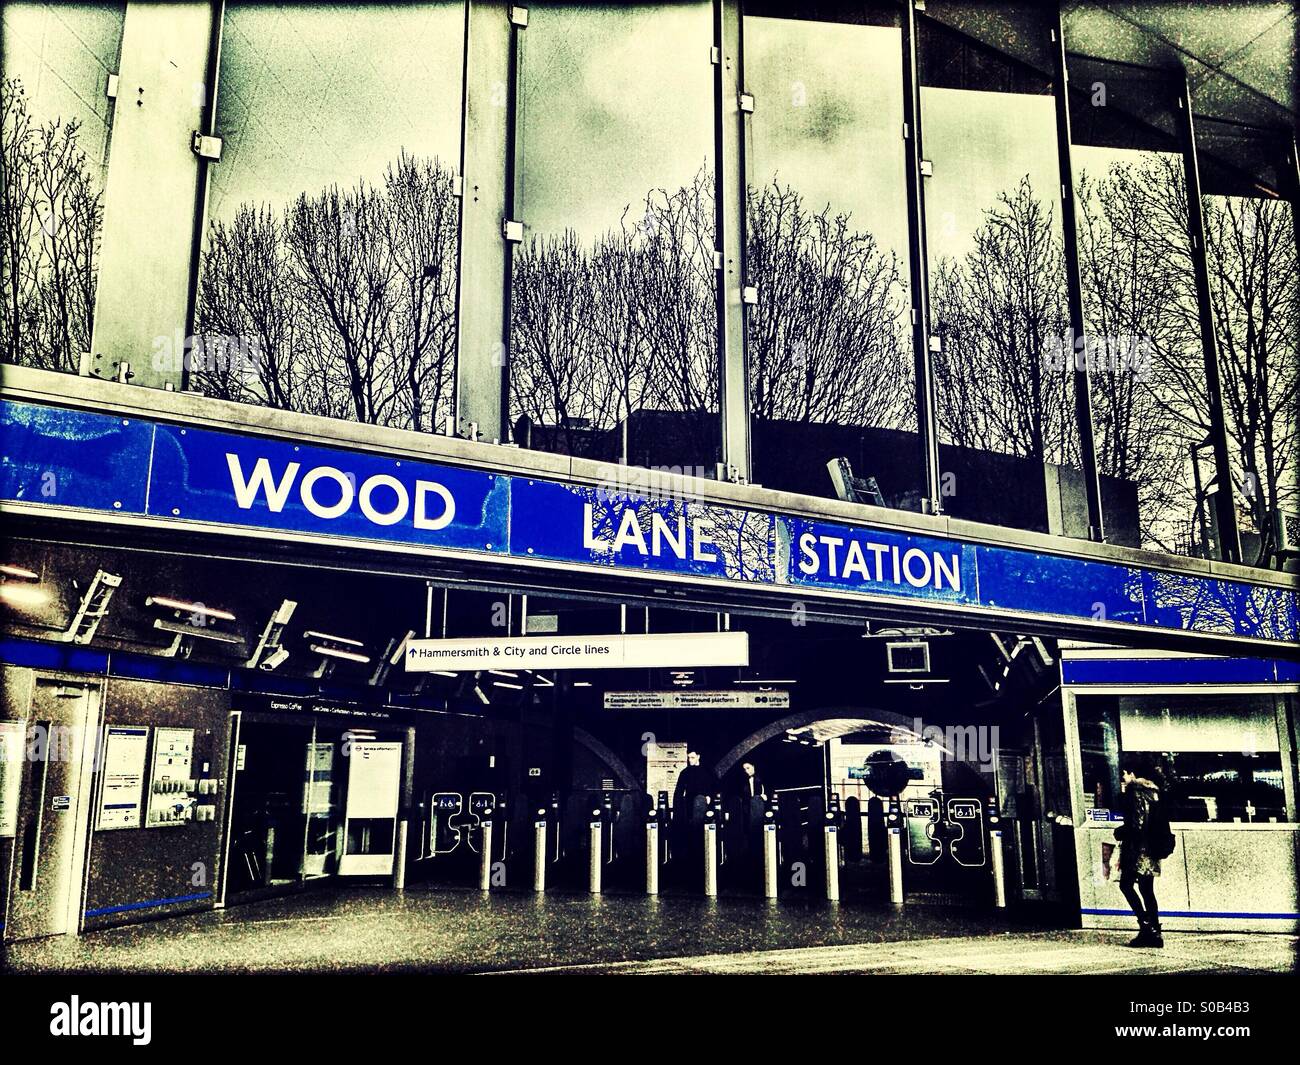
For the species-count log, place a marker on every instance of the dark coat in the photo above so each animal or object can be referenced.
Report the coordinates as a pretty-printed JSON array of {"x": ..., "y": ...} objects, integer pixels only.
[{"x": 1135, "y": 858}]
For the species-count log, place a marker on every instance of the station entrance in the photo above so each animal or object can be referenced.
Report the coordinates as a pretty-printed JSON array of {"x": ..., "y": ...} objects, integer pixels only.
[{"x": 252, "y": 729}]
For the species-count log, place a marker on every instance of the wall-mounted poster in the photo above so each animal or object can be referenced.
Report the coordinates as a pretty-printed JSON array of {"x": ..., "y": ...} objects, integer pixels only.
[
  {"x": 11, "y": 775},
  {"x": 125, "y": 748},
  {"x": 171, "y": 788}
]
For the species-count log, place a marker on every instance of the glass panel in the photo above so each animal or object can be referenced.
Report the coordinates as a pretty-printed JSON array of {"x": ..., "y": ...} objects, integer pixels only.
[
  {"x": 1250, "y": 243},
  {"x": 1150, "y": 406},
  {"x": 1009, "y": 446},
  {"x": 329, "y": 268},
  {"x": 1219, "y": 754},
  {"x": 57, "y": 120},
  {"x": 831, "y": 372},
  {"x": 613, "y": 306}
]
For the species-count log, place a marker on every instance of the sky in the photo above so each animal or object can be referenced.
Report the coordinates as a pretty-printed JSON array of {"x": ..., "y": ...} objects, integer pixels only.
[
  {"x": 315, "y": 94},
  {"x": 614, "y": 102},
  {"x": 828, "y": 119},
  {"x": 980, "y": 144},
  {"x": 63, "y": 54}
]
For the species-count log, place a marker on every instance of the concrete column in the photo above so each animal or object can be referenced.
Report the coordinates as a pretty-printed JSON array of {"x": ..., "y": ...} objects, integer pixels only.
[
  {"x": 488, "y": 201},
  {"x": 151, "y": 196}
]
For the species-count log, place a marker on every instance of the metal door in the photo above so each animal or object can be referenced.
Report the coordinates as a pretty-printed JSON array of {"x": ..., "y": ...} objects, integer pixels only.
[{"x": 49, "y": 857}]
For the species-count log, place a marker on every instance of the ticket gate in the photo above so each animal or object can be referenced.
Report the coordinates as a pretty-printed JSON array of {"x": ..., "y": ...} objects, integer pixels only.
[
  {"x": 455, "y": 837},
  {"x": 952, "y": 848}
]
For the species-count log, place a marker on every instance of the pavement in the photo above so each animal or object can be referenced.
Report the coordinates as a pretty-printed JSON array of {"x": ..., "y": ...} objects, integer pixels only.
[{"x": 467, "y": 932}]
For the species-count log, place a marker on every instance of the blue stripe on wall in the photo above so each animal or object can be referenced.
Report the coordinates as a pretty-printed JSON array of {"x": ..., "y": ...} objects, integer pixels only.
[
  {"x": 1199, "y": 913},
  {"x": 101, "y": 911},
  {"x": 1176, "y": 671}
]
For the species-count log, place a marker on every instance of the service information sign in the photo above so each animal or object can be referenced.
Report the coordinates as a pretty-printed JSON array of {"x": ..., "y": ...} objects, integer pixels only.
[
  {"x": 698, "y": 699},
  {"x": 655, "y": 651},
  {"x": 120, "y": 802},
  {"x": 664, "y": 763}
]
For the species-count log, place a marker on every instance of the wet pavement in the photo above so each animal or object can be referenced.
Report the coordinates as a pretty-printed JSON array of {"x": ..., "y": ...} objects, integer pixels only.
[{"x": 467, "y": 932}]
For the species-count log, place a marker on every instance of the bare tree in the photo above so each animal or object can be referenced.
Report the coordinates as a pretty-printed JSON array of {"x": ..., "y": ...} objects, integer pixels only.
[
  {"x": 1255, "y": 298},
  {"x": 341, "y": 305},
  {"x": 52, "y": 212},
  {"x": 824, "y": 339},
  {"x": 997, "y": 311}
]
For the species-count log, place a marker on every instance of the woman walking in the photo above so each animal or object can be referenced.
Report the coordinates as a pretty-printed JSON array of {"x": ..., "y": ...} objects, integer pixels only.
[{"x": 1139, "y": 859}]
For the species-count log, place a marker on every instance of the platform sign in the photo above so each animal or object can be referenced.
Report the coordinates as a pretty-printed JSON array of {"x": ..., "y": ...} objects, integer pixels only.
[
  {"x": 654, "y": 651},
  {"x": 121, "y": 799},
  {"x": 698, "y": 699}
]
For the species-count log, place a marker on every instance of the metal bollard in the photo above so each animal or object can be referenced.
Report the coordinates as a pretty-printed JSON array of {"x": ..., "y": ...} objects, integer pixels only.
[
  {"x": 831, "y": 838},
  {"x": 399, "y": 862},
  {"x": 710, "y": 856},
  {"x": 896, "y": 866},
  {"x": 652, "y": 857},
  {"x": 485, "y": 859},
  {"x": 539, "y": 852},
  {"x": 596, "y": 855},
  {"x": 999, "y": 872},
  {"x": 769, "y": 860}
]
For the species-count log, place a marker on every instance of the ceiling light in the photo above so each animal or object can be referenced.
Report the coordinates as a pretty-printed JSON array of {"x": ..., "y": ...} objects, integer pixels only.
[
  {"x": 19, "y": 572},
  {"x": 313, "y": 635},
  {"x": 24, "y": 595},
  {"x": 335, "y": 652},
  {"x": 507, "y": 684},
  {"x": 183, "y": 607},
  {"x": 582, "y": 684},
  {"x": 504, "y": 673}
]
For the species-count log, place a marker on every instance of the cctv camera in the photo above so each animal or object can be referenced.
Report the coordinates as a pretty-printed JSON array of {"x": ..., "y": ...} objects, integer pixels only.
[{"x": 274, "y": 659}]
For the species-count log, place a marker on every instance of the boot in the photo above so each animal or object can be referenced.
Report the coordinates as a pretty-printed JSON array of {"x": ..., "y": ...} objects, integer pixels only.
[
  {"x": 1144, "y": 937},
  {"x": 1156, "y": 939}
]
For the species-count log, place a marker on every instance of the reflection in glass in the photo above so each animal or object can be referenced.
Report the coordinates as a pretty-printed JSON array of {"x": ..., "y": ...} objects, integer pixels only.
[
  {"x": 1150, "y": 404},
  {"x": 1255, "y": 295},
  {"x": 1005, "y": 401},
  {"x": 830, "y": 364},
  {"x": 613, "y": 306},
  {"x": 329, "y": 268},
  {"x": 57, "y": 118}
]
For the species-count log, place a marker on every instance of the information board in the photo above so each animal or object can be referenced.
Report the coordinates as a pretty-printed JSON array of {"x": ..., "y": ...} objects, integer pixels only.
[{"x": 120, "y": 801}]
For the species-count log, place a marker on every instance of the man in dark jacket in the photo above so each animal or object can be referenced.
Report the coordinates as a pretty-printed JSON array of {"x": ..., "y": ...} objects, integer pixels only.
[
  {"x": 693, "y": 781},
  {"x": 1138, "y": 867}
]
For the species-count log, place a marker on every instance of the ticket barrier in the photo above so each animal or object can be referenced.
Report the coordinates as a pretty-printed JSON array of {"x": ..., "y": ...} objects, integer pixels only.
[
  {"x": 953, "y": 846},
  {"x": 832, "y": 823},
  {"x": 770, "y": 849},
  {"x": 894, "y": 844},
  {"x": 546, "y": 841},
  {"x": 456, "y": 837},
  {"x": 712, "y": 823}
]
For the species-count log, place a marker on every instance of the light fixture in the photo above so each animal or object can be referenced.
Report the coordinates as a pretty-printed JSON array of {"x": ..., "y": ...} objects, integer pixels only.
[
  {"x": 269, "y": 642},
  {"x": 338, "y": 652},
  {"x": 444, "y": 672},
  {"x": 482, "y": 696},
  {"x": 18, "y": 573},
  {"x": 582, "y": 684},
  {"x": 311, "y": 634},
  {"x": 275, "y": 659},
  {"x": 391, "y": 656},
  {"x": 92, "y": 608},
  {"x": 182, "y": 606},
  {"x": 507, "y": 684},
  {"x": 24, "y": 595},
  {"x": 504, "y": 673}
]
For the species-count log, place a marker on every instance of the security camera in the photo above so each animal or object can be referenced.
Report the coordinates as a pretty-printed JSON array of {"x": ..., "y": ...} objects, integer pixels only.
[{"x": 274, "y": 659}]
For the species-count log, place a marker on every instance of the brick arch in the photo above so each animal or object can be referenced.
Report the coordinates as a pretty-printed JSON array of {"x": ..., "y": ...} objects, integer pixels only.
[{"x": 807, "y": 717}]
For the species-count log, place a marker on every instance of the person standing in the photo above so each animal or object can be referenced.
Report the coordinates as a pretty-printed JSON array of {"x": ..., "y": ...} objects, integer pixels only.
[{"x": 1138, "y": 863}]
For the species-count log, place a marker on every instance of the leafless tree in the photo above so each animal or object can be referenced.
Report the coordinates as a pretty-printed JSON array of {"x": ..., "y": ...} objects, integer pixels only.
[
  {"x": 1255, "y": 299},
  {"x": 1136, "y": 257},
  {"x": 998, "y": 310},
  {"x": 824, "y": 339},
  {"x": 52, "y": 211},
  {"x": 341, "y": 305}
]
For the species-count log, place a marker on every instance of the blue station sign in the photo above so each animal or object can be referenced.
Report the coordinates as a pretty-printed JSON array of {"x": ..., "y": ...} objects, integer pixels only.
[{"x": 226, "y": 481}]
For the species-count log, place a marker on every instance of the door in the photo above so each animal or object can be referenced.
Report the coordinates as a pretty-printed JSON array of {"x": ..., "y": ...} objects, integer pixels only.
[{"x": 49, "y": 860}]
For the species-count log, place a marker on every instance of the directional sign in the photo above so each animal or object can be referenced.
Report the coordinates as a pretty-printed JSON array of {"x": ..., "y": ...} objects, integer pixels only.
[{"x": 655, "y": 651}]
